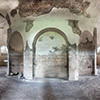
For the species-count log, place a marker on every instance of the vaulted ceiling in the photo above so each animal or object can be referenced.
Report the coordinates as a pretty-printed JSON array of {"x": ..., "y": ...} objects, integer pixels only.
[{"x": 38, "y": 7}]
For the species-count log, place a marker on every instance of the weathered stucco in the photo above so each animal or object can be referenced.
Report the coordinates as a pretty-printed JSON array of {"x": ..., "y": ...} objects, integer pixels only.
[
  {"x": 71, "y": 17},
  {"x": 38, "y": 65}
]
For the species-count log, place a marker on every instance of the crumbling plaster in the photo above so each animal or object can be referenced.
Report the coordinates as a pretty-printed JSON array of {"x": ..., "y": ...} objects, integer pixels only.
[
  {"x": 42, "y": 23},
  {"x": 57, "y": 18},
  {"x": 49, "y": 20}
]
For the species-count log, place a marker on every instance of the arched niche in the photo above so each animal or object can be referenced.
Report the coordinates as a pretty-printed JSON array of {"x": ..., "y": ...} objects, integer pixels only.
[
  {"x": 86, "y": 49},
  {"x": 50, "y": 54},
  {"x": 15, "y": 48},
  {"x": 86, "y": 40}
]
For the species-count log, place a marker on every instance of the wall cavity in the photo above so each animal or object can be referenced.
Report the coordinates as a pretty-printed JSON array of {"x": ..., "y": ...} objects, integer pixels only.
[
  {"x": 29, "y": 25},
  {"x": 15, "y": 45}
]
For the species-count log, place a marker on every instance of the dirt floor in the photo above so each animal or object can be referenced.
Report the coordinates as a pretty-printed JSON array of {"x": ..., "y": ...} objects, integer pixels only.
[{"x": 87, "y": 88}]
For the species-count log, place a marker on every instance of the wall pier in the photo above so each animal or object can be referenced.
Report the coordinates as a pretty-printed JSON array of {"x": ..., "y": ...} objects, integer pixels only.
[
  {"x": 28, "y": 63},
  {"x": 73, "y": 64}
]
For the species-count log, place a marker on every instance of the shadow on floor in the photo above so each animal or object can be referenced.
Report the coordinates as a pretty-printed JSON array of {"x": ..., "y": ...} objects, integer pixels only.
[{"x": 48, "y": 92}]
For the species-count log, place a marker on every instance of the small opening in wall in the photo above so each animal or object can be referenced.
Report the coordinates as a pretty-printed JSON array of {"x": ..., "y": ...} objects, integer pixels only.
[
  {"x": 98, "y": 57},
  {"x": 3, "y": 50},
  {"x": 3, "y": 55},
  {"x": 98, "y": 50}
]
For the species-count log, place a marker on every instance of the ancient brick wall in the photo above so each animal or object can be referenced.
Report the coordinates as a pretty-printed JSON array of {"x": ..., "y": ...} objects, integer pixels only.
[
  {"x": 86, "y": 53},
  {"x": 85, "y": 63},
  {"x": 51, "y": 66},
  {"x": 16, "y": 62}
]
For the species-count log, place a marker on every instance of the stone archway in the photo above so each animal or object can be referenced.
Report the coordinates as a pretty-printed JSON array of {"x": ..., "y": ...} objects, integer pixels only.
[
  {"x": 15, "y": 48},
  {"x": 50, "y": 62}
]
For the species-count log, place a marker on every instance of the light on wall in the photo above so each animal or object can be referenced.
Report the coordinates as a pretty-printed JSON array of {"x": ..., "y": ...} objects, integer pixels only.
[
  {"x": 98, "y": 50},
  {"x": 3, "y": 50}
]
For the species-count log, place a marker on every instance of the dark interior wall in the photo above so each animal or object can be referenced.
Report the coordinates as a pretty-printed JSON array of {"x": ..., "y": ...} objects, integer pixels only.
[{"x": 16, "y": 52}]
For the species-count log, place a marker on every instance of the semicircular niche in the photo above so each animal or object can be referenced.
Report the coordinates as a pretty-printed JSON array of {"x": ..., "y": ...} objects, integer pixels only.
[
  {"x": 51, "y": 56},
  {"x": 16, "y": 53}
]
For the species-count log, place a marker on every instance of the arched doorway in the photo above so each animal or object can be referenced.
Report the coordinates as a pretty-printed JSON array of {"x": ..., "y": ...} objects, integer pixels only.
[
  {"x": 15, "y": 46},
  {"x": 50, "y": 54}
]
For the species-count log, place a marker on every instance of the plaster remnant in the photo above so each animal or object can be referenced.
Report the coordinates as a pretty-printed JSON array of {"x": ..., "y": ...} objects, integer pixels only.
[
  {"x": 51, "y": 37},
  {"x": 29, "y": 7},
  {"x": 72, "y": 47},
  {"x": 86, "y": 42},
  {"x": 29, "y": 25},
  {"x": 75, "y": 27},
  {"x": 50, "y": 51},
  {"x": 27, "y": 46},
  {"x": 40, "y": 39},
  {"x": 63, "y": 49},
  {"x": 56, "y": 49},
  {"x": 86, "y": 38}
]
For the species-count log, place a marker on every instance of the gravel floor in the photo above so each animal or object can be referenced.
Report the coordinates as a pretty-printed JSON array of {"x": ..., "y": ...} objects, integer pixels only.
[{"x": 87, "y": 88}]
